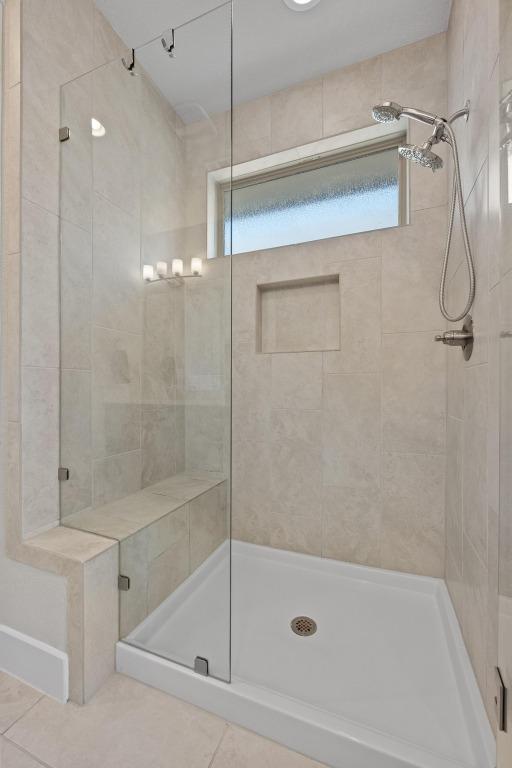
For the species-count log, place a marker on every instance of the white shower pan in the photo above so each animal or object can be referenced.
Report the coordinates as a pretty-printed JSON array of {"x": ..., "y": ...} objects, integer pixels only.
[{"x": 384, "y": 682}]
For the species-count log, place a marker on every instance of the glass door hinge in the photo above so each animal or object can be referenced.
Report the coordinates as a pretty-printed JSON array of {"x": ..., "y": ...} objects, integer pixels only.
[
  {"x": 201, "y": 666},
  {"x": 64, "y": 133},
  {"x": 123, "y": 583},
  {"x": 63, "y": 474}
]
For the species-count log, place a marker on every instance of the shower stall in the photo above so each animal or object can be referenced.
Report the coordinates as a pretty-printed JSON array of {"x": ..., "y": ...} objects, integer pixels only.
[{"x": 250, "y": 405}]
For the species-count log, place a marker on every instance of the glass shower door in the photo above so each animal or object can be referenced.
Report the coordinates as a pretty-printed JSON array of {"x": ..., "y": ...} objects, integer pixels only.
[{"x": 146, "y": 334}]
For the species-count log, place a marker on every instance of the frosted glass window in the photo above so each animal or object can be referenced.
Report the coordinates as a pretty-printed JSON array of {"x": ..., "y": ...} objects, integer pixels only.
[{"x": 346, "y": 196}]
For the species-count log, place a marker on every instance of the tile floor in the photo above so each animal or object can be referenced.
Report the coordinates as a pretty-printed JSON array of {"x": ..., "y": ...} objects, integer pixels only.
[{"x": 126, "y": 725}]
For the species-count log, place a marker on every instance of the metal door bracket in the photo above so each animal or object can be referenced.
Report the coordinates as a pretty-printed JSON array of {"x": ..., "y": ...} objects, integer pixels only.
[
  {"x": 201, "y": 666},
  {"x": 130, "y": 65},
  {"x": 168, "y": 42},
  {"x": 63, "y": 474},
  {"x": 500, "y": 701},
  {"x": 64, "y": 134},
  {"x": 123, "y": 583}
]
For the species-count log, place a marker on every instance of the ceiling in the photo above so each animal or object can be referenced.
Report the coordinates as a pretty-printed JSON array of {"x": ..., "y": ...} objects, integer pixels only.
[{"x": 273, "y": 46}]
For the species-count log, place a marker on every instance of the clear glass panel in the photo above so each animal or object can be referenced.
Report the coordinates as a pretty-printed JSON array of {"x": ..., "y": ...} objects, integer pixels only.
[
  {"x": 348, "y": 196},
  {"x": 145, "y": 395}
]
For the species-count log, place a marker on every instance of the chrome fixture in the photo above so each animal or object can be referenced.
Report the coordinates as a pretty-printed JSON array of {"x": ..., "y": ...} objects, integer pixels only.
[
  {"x": 201, "y": 666},
  {"x": 463, "y": 338},
  {"x": 500, "y": 701},
  {"x": 167, "y": 41},
  {"x": 303, "y": 626},
  {"x": 130, "y": 65},
  {"x": 421, "y": 154},
  {"x": 389, "y": 111}
]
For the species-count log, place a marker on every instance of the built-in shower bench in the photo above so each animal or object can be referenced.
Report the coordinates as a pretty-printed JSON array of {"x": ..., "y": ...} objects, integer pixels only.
[{"x": 125, "y": 517}]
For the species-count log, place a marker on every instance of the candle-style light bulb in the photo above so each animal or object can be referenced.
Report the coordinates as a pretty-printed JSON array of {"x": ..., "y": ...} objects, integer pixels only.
[
  {"x": 196, "y": 266},
  {"x": 177, "y": 267},
  {"x": 148, "y": 272},
  {"x": 161, "y": 268}
]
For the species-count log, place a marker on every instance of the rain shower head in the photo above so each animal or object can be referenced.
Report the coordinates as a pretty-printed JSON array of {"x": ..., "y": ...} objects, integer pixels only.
[
  {"x": 422, "y": 155},
  {"x": 387, "y": 112}
]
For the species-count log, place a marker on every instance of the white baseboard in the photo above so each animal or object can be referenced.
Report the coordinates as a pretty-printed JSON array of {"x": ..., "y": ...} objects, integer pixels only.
[{"x": 35, "y": 663}]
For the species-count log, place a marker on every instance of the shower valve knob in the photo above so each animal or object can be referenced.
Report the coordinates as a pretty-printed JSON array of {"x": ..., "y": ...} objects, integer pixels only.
[
  {"x": 462, "y": 338},
  {"x": 454, "y": 338}
]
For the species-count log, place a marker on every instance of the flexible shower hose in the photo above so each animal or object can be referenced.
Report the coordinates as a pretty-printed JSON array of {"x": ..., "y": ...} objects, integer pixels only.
[{"x": 457, "y": 199}]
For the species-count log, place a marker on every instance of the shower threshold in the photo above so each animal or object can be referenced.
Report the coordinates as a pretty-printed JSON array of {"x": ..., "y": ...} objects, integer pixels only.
[{"x": 383, "y": 682}]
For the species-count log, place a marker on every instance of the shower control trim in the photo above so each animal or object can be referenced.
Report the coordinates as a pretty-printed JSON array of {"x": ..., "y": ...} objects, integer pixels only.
[{"x": 463, "y": 338}]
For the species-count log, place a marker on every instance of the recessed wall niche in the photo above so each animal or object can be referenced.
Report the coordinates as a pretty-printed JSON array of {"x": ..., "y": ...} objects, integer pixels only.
[{"x": 301, "y": 315}]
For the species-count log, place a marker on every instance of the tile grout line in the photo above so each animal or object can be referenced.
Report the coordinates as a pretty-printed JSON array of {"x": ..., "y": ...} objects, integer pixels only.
[
  {"x": 41, "y": 696},
  {"x": 25, "y": 752},
  {"x": 224, "y": 733}
]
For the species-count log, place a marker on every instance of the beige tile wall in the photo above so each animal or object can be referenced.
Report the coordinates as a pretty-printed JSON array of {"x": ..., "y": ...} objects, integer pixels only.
[
  {"x": 475, "y": 60},
  {"x": 159, "y": 558},
  {"x": 207, "y": 307},
  {"x": 122, "y": 352},
  {"x": 500, "y": 21},
  {"x": 341, "y": 453}
]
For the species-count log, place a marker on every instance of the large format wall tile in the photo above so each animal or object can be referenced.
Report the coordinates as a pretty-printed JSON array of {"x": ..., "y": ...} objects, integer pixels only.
[
  {"x": 101, "y": 619},
  {"x": 251, "y": 130},
  {"x": 117, "y": 285},
  {"x": 40, "y": 287},
  {"x": 75, "y": 296},
  {"x": 360, "y": 297},
  {"x": 475, "y": 458},
  {"x": 208, "y": 524},
  {"x": 475, "y": 610},
  {"x": 411, "y": 259},
  {"x": 454, "y": 522},
  {"x": 296, "y": 115},
  {"x": 12, "y": 165},
  {"x": 40, "y": 448},
  {"x": 349, "y": 95},
  {"x": 413, "y": 513},
  {"x": 414, "y": 74},
  {"x": 413, "y": 395},
  {"x": 297, "y": 380},
  {"x": 351, "y": 520},
  {"x": 351, "y": 430},
  {"x": 116, "y": 392},
  {"x": 116, "y": 476},
  {"x": 75, "y": 440},
  {"x": 116, "y": 156},
  {"x": 159, "y": 442},
  {"x": 76, "y": 171}
]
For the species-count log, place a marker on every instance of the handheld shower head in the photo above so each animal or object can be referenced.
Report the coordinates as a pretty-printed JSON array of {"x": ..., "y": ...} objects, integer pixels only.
[
  {"x": 422, "y": 155},
  {"x": 442, "y": 130},
  {"x": 387, "y": 112}
]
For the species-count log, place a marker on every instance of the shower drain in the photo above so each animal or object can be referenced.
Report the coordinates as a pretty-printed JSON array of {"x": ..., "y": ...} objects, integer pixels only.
[{"x": 303, "y": 625}]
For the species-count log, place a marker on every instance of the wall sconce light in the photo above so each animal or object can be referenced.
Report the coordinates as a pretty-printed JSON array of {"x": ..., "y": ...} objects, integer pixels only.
[
  {"x": 148, "y": 272},
  {"x": 150, "y": 276},
  {"x": 177, "y": 267},
  {"x": 196, "y": 266},
  {"x": 161, "y": 268}
]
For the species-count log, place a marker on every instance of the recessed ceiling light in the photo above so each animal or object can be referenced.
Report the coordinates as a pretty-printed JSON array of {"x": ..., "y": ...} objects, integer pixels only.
[
  {"x": 301, "y": 5},
  {"x": 97, "y": 129}
]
